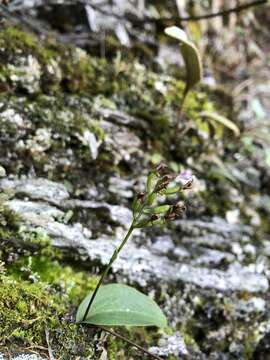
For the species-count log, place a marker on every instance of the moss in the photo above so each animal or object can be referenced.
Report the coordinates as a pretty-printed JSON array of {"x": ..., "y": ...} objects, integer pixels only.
[
  {"x": 75, "y": 284},
  {"x": 129, "y": 86},
  {"x": 8, "y": 219},
  {"x": 39, "y": 294},
  {"x": 13, "y": 39},
  {"x": 17, "y": 241},
  {"x": 25, "y": 311},
  {"x": 28, "y": 311}
]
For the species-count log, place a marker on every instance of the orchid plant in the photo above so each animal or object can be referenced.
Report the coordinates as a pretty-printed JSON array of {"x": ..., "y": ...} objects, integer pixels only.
[
  {"x": 118, "y": 304},
  {"x": 122, "y": 305}
]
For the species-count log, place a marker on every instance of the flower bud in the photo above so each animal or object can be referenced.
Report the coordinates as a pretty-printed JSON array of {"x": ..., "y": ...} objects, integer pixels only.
[
  {"x": 154, "y": 217},
  {"x": 161, "y": 168},
  {"x": 175, "y": 211},
  {"x": 170, "y": 216},
  {"x": 185, "y": 178},
  {"x": 163, "y": 183},
  {"x": 188, "y": 185},
  {"x": 140, "y": 195},
  {"x": 179, "y": 208}
]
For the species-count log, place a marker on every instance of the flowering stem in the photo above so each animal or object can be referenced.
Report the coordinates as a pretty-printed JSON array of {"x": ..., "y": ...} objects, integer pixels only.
[{"x": 105, "y": 272}]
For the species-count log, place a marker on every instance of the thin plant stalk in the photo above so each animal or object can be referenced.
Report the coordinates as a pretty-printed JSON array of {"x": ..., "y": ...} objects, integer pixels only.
[
  {"x": 105, "y": 272},
  {"x": 153, "y": 356},
  {"x": 182, "y": 104}
]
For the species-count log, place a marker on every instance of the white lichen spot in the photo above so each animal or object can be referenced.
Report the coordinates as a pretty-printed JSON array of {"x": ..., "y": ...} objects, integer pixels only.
[
  {"x": 89, "y": 139},
  {"x": 54, "y": 69},
  {"x": 10, "y": 116},
  {"x": 2, "y": 171},
  {"x": 41, "y": 141},
  {"x": 26, "y": 73},
  {"x": 79, "y": 54},
  {"x": 161, "y": 87}
]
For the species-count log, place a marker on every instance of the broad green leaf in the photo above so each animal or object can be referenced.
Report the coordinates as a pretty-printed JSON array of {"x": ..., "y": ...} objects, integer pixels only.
[
  {"x": 121, "y": 305},
  {"x": 190, "y": 54},
  {"x": 222, "y": 120}
]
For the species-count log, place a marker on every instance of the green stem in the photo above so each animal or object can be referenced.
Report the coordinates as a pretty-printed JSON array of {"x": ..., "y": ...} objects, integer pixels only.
[
  {"x": 105, "y": 272},
  {"x": 183, "y": 103}
]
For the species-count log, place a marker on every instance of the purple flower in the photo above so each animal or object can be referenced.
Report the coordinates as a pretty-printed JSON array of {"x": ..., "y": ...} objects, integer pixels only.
[{"x": 185, "y": 178}]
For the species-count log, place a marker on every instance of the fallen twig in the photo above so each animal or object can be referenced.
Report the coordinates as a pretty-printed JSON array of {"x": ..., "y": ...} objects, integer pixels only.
[
  {"x": 130, "y": 342},
  {"x": 47, "y": 336},
  {"x": 236, "y": 9}
]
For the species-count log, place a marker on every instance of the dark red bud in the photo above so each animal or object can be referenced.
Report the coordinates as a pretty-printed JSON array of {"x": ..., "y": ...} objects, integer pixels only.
[
  {"x": 161, "y": 168},
  {"x": 154, "y": 217},
  {"x": 180, "y": 205},
  {"x": 179, "y": 208},
  {"x": 170, "y": 216},
  {"x": 163, "y": 183},
  {"x": 167, "y": 178},
  {"x": 140, "y": 195}
]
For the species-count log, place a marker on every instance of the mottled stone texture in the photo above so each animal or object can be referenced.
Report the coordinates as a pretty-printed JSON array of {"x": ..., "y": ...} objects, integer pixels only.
[{"x": 78, "y": 136}]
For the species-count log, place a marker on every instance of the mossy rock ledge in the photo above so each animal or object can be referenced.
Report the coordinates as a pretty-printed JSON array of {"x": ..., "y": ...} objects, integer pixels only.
[{"x": 78, "y": 136}]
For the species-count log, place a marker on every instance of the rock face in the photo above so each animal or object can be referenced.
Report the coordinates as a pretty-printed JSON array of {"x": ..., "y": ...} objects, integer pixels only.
[
  {"x": 139, "y": 263},
  {"x": 76, "y": 144}
]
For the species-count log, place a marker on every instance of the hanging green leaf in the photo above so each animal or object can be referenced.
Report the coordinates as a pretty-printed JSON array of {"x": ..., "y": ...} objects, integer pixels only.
[
  {"x": 222, "y": 120},
  {"x": 121, "y": 305},
  {"x": 190, "y": 54}
]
